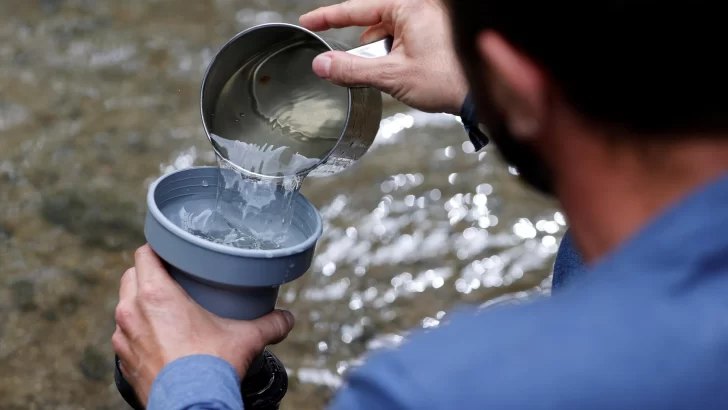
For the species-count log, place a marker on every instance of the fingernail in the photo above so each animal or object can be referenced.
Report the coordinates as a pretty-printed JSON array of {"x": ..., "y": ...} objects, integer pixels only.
[
  {"x": 289, "y": 318},
  {"x": 322, "y": 66}
]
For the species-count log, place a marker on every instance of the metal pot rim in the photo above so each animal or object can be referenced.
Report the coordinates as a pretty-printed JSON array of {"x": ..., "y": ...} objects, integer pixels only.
[{"x": 244, "y": 171}]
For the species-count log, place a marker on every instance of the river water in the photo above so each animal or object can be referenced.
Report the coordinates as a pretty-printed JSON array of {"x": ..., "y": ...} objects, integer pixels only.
[{"x": 100, "y": 97}]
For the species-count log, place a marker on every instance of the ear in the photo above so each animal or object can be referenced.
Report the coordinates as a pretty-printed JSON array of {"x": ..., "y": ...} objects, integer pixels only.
[{"x": 517, "y": 85}]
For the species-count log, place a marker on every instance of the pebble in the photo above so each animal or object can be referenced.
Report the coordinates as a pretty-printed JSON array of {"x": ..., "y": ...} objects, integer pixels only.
[
  {"x": 101, "y": 219},
  {"x": 95, "y": 365},
  {"x": 5, "y": 233},
  {"x": 23, "y": 292},
  {"x": 68, "y": 305}
]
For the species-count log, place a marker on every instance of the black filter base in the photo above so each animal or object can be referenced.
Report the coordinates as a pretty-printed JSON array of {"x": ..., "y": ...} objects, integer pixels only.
[{"x": 263, "y": 390}]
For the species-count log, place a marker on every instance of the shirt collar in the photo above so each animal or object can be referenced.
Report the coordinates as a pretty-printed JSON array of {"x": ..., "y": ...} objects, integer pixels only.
[{"x": 680, "y": 239}]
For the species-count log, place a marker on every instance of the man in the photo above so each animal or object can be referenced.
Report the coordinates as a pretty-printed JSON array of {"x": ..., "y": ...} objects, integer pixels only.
[{"x": 616, "y": 108}]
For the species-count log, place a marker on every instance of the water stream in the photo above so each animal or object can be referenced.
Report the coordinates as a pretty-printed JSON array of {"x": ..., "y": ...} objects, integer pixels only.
[{"x": 246, "y": 213}]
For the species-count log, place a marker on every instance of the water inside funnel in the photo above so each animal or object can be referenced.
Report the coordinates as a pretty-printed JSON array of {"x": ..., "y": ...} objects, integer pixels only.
[
  {"x": 241, "y": 213},
  {"x": 200, "y": 218}
]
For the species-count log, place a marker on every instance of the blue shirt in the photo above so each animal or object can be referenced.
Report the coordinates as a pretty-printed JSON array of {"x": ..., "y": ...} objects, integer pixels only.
[{"x": 645, "y": 328}]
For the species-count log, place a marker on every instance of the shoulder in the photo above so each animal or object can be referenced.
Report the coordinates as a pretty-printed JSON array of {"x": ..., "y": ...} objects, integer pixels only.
[
  {"x": 477, "y": 358},
  {"x": 566, "y": 352}
]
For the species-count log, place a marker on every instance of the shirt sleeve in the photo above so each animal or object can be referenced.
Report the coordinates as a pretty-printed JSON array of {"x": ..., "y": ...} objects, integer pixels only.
[
  {"x": 199, "y": 382},
  {"x": 569, "y": 264},
  {"x": 382, "y": 383}
]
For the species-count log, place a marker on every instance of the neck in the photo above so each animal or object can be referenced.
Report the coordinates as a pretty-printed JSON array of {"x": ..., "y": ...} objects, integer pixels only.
[{"x": 609, "y": 193}]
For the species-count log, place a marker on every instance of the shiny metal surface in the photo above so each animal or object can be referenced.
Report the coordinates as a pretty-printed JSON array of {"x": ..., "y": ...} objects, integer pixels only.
[
  {"x": 374, "y": 50},
  {"x": 260, "y": 89}
]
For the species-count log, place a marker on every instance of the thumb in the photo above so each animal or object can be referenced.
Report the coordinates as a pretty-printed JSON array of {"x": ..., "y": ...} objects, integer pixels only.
[
  {"x": 348, "y": 70},
  {"x": 273, "y": 327}
]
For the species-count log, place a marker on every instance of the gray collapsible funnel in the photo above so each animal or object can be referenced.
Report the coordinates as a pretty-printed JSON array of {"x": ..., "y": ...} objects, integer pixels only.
[{"x": 230, "y": 282}]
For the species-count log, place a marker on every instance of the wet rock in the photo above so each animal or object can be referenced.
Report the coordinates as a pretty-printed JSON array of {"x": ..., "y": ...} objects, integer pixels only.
[
  {"x": 22, "y": 58},
  {"x": 95, "y": 365},
  {"x": 41, "y": 178},
  {"x": 367, "y": 335},
  {"x": 23, "y": 294},
  {"x": 7, "y": 172},
  {"x": 68, "y": 305},
  {"x": 136, "y": 144},
  {"x": 75, "y": 113},
  {"x": 101, "y": 219},
  {"x": 51, "y": 6},
  {"x": 85, "y": 279},
  {"x": 159, "y": 59},
  {"x": 46, "y": 119},
  {"x": 5, "y": 233},
  {"x": 50, "y": 315}
]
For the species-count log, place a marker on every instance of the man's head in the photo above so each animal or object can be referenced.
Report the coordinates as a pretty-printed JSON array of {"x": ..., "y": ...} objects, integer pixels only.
[
  {"x": 650, "y": 71},
  {"x": 617, "y": 107}
]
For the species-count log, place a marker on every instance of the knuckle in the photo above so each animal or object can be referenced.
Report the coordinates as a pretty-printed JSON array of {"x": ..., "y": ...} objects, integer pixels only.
[
  {"x": 346, "y": 71},
  {"x": 280, "y": 324},
  {"x": 256, "y": 336},
  {"x": 341, "y": 70},
  {"x": 351, "y": 72},
  {"x": 390, "y": 73},
  {"x": 118, "y": 342},
  {"x": 123, "y": 315},
  {"x": 329, "y": 16},
  {"x": 385, "y": 77},
  {"x": 127, "y": 274},
  {"x": 142, "y": 251},
  {"x": 152, "y": 294}
]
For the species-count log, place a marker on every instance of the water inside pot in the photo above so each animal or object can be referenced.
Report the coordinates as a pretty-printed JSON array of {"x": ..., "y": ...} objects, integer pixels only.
[{"x": 275, "y": 117}]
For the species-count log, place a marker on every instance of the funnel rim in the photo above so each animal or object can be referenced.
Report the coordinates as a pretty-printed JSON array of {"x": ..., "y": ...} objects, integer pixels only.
[{"x": 158, "y": 215}]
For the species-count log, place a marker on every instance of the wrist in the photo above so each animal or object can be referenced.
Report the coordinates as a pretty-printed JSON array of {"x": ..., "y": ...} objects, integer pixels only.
[
  {"x": 196, "y": 379},
  {"x": 455, "y": 107}
]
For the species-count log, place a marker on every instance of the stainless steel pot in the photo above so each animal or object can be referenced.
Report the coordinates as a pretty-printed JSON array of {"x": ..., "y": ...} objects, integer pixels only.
[{"x": 260, "y": 89}]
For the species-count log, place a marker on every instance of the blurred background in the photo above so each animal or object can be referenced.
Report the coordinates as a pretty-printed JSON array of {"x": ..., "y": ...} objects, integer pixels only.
[{"x": 100, "y": 97}]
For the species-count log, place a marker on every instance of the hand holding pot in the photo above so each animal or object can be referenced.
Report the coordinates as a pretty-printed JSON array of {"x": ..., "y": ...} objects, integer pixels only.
[
  {"x": 157, "y": 323},
  {"x": 422, "y": 69}
]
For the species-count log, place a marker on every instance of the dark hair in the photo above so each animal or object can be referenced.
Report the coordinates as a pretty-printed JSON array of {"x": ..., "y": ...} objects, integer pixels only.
[{"x": 644, "y": 65}]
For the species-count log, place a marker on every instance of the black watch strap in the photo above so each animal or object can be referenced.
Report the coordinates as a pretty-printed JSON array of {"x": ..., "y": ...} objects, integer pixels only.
[{"x": 468, "y": 115}]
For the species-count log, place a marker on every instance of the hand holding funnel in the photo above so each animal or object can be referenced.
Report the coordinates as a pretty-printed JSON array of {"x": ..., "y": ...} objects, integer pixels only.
[
  {"x": 167, "y": 325},
  {"x": 229, "y": 282}
]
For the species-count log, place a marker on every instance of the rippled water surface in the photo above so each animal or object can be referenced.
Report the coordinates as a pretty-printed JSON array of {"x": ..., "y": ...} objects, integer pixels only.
[{"x": 100, "y": 97}]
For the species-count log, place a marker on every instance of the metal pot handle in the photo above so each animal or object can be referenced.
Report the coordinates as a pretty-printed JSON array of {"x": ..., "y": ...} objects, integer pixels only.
[{"x": 374, "y": 50}]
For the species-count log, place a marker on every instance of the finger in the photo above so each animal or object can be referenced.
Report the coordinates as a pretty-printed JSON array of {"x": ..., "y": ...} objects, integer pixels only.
[
  {"x": 128, "y": 286},
  {"x": 360, "y": 13},
  {"x": 127, "y": 359},
  {"x": 124, "y": 372},
  {"x": 149, "y": 269},
  {"x": 120, "y": 343},
  {"x": 374, "y": 33},
  {"x": 130, "y": 376},
  {"x": 349, "y": 70},
  {"x": 273, "y": 327},
  {"x": 126, "y": 317}
]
